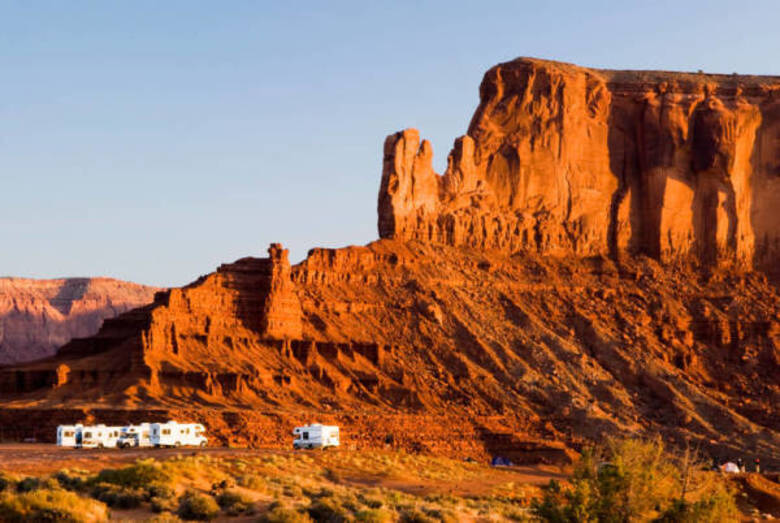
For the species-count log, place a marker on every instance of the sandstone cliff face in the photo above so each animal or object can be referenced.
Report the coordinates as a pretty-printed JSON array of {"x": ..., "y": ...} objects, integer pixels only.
[
  {"x": 38, "y": 316},
  {"x": 470, "y": 344},
  {"x": 560, "y": 159},
  {"x": 458, "y": 332}
]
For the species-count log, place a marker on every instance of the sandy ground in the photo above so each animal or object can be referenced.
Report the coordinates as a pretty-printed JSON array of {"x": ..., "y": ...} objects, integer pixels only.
[{"x": 39, "y": 458}]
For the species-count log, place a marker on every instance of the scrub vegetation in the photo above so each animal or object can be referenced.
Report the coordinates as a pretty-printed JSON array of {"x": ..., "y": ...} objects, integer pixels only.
[{"x": 628, "y": 480}]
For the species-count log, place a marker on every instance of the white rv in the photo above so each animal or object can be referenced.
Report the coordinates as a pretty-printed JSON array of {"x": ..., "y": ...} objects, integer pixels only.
[
  {"x": 99, "y": 436},
  {"x": 173, "y": 434},
  {"x": 135, "y": 436},
  {"x": 69, "y": 435},
  {"x": 316, "y": 436}
]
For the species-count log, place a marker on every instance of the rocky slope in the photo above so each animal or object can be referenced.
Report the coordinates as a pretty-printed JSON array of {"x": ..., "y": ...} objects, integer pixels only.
[
  {"x": 552, "y": 287},
  {"x": 38, "y": 316}
]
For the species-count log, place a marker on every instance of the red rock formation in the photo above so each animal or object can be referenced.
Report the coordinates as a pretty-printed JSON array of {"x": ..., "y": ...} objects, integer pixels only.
[
  {"x": 461, "y": 324},
  {"x": 561, "y": 159},
  {"x": 38, "y": 316}
]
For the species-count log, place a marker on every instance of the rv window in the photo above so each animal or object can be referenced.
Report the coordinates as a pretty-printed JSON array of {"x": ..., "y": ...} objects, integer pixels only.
[
  {"x": 305, "y": 435},
  {"x": 146, "y": 434},
  {"x": 68, "y": 434},
  {"x": 166, "y": 432},
  {"x": 87, "y": 434}
]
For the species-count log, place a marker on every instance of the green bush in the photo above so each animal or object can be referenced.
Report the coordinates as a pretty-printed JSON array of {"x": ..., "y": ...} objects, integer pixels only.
[
  {"x": 235, "y": 503},
  {"x": 138, "y": 475},
  {"x": 280, "y": 514},
  {"x": 50, "y": 505},
  {"x": 715, "y": 508},
  {"x": 118, "y": 497},
  {"x": 633, "y": 480},
  {"x": 193, "y": 505}
]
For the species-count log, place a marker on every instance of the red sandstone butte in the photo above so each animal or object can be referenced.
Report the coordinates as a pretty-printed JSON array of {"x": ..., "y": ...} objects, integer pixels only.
[
  {"x": 593, "y": 261},
  {"x": 560, "y": 159}
]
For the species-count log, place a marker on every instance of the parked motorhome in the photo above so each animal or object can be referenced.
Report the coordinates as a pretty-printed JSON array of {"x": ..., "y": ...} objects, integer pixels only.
[
  {"x": 316, "y": 436},
  {"x": 99, "y": 436},
  {"x": 135, "y": 436},
  {"x": 173, "y": 434},
  {"x": 69, "y": 435}
]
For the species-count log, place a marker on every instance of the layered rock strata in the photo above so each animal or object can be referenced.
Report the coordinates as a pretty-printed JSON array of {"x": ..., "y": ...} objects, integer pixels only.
[
  {"x": 560, "y": 159},
  {"x": 567, "y": 350},
  {"x": 39, "y": 316},
  {"x": 460, "y": 322}
]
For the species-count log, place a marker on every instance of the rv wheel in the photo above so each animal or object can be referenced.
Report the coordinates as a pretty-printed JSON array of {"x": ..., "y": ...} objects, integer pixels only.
[
  {"x": 202, "y": 443},
  {"x": 100, "y": 445},
  {"x": 177, "y": 444}
]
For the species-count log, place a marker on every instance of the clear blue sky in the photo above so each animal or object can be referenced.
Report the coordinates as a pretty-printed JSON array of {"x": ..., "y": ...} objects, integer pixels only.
[{"x": 152, "y": 141}]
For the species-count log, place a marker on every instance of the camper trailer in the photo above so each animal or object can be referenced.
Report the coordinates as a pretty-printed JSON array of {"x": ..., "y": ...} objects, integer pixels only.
[
  {"x": 173, "y": 434},
  {"x": 316, "y": 436},
  {"x": 69, "y": 435},
  {"x": 99, "y": 436},
  {"x": 135, "y": 436}
]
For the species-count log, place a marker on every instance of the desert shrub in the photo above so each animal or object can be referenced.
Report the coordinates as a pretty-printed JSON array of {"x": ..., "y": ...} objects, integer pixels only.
[
  {"x": 414, "y": 515},
  {"x": 374, "y": 515},
  {"x": 159, "y": 505},
  {"x": 224, "y": 484},
  {"x": 7, "y": 482},
  {"x": 138, "y": 475},
  {"x": 50, "y": 505},
  {"x": 193, "y": 505},
  {"x": 252, "y": 482},
  {"x": 281, "y": 514},
  {"x": 323, "y": 492},
  {"x": 438, "y": 514},
  {"x": 234, "y": 502},
  {"x": 328, "y": 510},
  {"x": 638, "y": 481},
  {"x": 160, "y": 491},
  {"x": 29, "y": 484},
  {"x": 69, "y": 480},
  {"x": 292, "y": 491},
  {"x": 517, "y": 514},
  {"x": 164, "y": 518},
  {"x": 717, "y": 507},
  {"x": 116, "y": 496},
  {"x": 370, "y": 502}
]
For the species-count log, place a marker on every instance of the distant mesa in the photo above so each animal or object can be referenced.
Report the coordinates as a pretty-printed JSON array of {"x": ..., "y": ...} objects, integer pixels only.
[{"x": 39, "y": 316}]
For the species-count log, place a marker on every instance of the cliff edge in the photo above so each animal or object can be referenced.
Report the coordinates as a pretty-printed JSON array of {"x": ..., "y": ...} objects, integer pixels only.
[{"x": 561, "y": 159}]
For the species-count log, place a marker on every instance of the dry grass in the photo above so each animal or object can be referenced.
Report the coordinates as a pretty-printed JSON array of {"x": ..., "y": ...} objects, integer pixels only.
[{"x": 50, "y": 505}]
